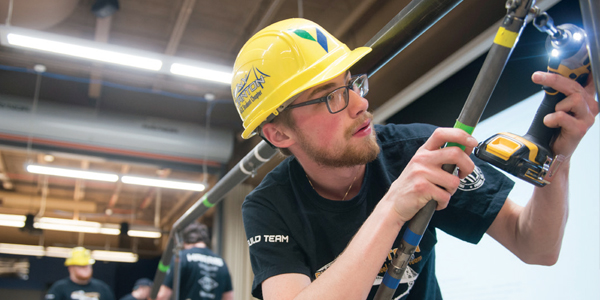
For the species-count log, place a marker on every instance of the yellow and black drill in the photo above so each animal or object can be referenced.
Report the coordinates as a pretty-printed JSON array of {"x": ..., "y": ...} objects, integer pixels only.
[{"x": 530, "y": 157}]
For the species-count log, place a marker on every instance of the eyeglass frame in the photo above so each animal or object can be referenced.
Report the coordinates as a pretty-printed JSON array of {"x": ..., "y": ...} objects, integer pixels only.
[{"x": 349, "y": 87}]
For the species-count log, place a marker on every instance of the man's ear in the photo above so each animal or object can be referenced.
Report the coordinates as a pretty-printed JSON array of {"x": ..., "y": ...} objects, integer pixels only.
[{"x": 277, "y": 135}]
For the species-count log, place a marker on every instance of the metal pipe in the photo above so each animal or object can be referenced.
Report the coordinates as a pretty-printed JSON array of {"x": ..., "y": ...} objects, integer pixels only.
[
  {"x": 177, "y": 269},
  {"x": 590, "y": 13},
  {"x": 401, "y": 31}
]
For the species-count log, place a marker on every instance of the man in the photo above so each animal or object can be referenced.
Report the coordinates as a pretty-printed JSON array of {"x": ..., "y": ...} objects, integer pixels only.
[
  {"x": 141, "y": 290},
  {"x": 79, "y": 284},
  {"x": 204, "y": 275},
  {"x": 322, "y": 224}
]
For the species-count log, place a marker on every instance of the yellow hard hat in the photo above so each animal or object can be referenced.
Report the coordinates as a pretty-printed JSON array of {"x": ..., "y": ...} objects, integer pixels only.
[
  {"x": 281, "y": 61},
  {"x": 79, "y": 256}
]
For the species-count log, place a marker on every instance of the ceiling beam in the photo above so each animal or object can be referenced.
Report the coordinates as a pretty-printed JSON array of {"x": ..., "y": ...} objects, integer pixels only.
[
  {"x": 187, "y": 7},
  {"x": 116, "y": 193},
  {"x": 180, "y": 24},
  {"x": 268, "y": 16},
  {"x": 349, "y": 21}
]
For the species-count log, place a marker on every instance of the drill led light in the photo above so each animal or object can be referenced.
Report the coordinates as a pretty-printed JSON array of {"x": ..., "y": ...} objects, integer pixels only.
[
  {"x": 577, "y": 36},
  {"x": 555, "y": 53}
]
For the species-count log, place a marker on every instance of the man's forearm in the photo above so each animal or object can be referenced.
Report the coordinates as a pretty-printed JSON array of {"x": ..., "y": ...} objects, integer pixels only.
[{"x": 542, "y": 223}]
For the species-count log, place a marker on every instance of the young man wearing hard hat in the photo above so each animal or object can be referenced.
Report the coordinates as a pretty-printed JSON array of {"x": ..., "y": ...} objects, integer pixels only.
[
  {"x": 79, "y": 284},
  {"x": 322, "y": 224}
]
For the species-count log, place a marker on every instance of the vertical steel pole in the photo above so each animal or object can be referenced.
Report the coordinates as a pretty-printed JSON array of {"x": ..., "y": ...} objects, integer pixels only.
[{"x": 590, "y": 13}]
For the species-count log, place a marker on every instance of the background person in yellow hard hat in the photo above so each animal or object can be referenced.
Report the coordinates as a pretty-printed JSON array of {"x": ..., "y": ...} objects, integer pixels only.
[
  {"x": 322, "y": 224},
  {"x": 79, "y": 284}
]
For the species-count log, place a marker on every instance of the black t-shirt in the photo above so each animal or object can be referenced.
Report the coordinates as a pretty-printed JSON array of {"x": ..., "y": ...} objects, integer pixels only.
[
  {"x": 128, "y": 297},
  {"x": 204, "y": 275},
  {"x": 292, "y": 229},
  {"x": 65, "y": 289}
]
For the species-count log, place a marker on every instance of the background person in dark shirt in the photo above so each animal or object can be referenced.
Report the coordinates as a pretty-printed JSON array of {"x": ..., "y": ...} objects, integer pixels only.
[
  {"x": 79, "y": 284},
  {"x": 204, "y": 275}
]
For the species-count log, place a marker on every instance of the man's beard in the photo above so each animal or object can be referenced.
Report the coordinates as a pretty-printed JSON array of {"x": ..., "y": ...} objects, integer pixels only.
[
  {"x": 349, "y": 156},
  {"x": 83, "y": 278}
]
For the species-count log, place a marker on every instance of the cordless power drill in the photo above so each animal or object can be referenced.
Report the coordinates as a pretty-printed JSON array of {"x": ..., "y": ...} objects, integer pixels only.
[{"x": 530, "y": 157}]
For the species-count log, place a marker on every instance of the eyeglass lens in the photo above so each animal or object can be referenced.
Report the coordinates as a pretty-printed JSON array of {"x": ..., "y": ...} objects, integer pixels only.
[{"x": 339, "y": 98}]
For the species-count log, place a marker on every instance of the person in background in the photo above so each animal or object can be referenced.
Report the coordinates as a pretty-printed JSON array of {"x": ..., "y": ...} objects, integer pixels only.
[
  {"x": 80, "y": 284},
  {"x": 204, "y": 275},
  {"x": 141, "y": 290}
]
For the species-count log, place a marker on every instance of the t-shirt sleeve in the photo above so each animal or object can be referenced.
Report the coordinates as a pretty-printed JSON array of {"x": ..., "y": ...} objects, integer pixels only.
[
  {"x": 53, "y": 293},
  {"x": 108, "y": 293},
  {"x": 273, "y": 250},
  {"x": 476, "y": 203},
  {"x": 228, "y": 286},
  {"x": 168, "y": 281}
]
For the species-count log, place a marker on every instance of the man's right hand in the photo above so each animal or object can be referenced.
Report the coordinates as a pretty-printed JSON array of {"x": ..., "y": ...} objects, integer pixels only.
[{"x": 423, "y": 179}]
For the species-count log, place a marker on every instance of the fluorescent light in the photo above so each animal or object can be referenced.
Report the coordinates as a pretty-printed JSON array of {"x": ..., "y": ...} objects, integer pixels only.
[
  {"x": 18, "y": 249},
  {"x": 76, "y": 226},
  {"x": 12, "y": 220},
  {"x": 76, "y": 50},
  {"x": 62, "y": 252},
  {"x": 37, "y": 169},
  {"x": 17, "y": 37},
  {"x": 201, "y": 73},
  {"x": 170, "y": 184},
  {"x": 57, "y": 252},
  {"x": 144, "y": 233},
  {"x": 114, "y": 256}
]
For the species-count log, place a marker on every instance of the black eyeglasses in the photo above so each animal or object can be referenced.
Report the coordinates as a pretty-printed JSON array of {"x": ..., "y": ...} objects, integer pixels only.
[{"x": 338, "y": 99}]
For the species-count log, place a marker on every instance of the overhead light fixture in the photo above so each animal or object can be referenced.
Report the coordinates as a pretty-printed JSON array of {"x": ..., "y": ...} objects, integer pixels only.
[
  {"x": 144, "y": 232},
  {"x": 83, "y": 49},
  {"x": 117, "y": 256},
  {"x": 38, "y": 169},
  {"x": 62, "y": 252},
  {"x": 12, "y": 36},
  {"x": 76, "y": 226},
  {"x": 170, "y": 184},
  {"x": 12, "y": 220},
  {"x": 58, "y": 224},
  {"x": 18, "y": 249},
  {"x": 201, "y": 73}
]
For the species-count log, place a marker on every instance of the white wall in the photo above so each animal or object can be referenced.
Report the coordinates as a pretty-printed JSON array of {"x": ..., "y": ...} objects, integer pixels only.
[{"x": 489, "y": 271}]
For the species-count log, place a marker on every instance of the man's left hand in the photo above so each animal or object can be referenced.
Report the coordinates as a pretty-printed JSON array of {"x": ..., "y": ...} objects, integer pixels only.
[{"x": 574, "y": 115}]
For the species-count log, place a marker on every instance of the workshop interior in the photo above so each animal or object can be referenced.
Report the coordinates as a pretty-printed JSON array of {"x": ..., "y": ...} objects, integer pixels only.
[{"x": 118, "y": 128}]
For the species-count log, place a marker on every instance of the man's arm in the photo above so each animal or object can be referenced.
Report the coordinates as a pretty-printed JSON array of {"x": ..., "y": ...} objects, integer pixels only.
[
  {"x": 534, "y": 233},
  {"x": 352, "y": 274},
  {"x": 164, "y": 293}
]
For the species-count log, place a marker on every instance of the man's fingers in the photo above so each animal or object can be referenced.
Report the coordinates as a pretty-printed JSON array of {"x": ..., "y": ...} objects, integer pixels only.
[
  {"x": 558, "y": 82},
  {"x": 441, "y": 136}
]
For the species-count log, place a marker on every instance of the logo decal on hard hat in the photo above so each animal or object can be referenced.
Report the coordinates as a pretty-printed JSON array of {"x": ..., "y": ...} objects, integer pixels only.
[
  {"x": 321, "y": 39},
  {"x": 248, "y": 92}
]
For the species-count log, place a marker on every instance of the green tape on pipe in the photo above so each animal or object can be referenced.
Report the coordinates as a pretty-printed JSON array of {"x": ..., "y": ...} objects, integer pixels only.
[
  {"x": 466, "y": 128},
  {"x": 162, "y": 267},
  {"x": 206, "y": 202}
]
